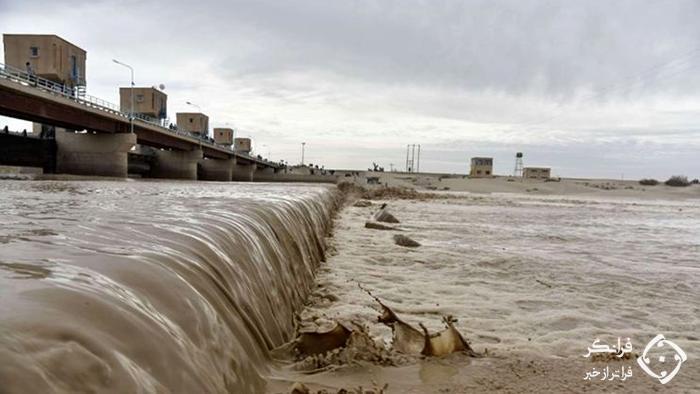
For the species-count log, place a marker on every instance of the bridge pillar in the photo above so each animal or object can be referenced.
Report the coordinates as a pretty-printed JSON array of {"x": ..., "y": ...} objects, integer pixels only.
[
  {"x": 243, "y": 172},
  {"x": 265, "y": 174},
  {"x": 215, "y": 170},
  {"x": 174, "y": 164},
  {"x": 93, "y": 154}
]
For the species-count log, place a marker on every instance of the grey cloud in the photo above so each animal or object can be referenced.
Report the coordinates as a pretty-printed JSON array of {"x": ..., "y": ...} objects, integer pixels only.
[{"x": 589, "y": 87}]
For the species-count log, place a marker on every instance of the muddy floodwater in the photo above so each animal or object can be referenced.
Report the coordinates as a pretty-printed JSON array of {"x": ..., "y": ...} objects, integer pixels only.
[
  {"x": 533, "y": 281},
  {"x": 130, "y": 287},
  {"x": 189, "y": 287}
]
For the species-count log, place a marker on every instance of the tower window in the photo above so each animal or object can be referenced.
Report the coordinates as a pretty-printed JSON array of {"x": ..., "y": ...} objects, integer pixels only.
[{"x": 34, "y": 51}]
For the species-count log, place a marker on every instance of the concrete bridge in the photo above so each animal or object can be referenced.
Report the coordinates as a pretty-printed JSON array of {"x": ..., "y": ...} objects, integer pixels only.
[{"x": 105, "y": 146}]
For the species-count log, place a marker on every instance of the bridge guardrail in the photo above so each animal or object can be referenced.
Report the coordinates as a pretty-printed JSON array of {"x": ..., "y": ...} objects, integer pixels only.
[{"x": 24, "y": 78}]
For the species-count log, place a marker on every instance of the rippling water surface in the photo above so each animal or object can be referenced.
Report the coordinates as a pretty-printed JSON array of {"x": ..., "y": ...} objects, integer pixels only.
[
  {"x": 185, "y": 287},
  {"x": 152, "y": 286},
  {"x": 528, "y": 278}
]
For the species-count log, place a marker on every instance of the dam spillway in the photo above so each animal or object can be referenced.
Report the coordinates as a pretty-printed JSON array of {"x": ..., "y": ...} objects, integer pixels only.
[{"x": 153, "y": 286}]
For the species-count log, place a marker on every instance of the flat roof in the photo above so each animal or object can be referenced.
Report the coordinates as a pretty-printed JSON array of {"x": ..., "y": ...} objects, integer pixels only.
[
  {"x": 45, "y": 35},
  {"x": 141, "y": 87},
  {"x": 537, "y": 168},
  {"x": 191, "y": 114}
]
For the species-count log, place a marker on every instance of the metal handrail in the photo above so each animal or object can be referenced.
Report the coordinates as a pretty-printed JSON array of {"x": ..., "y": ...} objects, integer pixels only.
[{"x": 26, "y": 79}]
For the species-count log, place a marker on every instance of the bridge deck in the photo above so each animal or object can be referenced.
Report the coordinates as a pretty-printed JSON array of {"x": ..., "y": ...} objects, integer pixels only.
[{"x": 34, "y": 99}]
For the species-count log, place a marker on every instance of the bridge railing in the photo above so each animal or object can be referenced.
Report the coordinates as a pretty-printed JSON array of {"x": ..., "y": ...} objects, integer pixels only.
[{"x": 24, "y": 78}]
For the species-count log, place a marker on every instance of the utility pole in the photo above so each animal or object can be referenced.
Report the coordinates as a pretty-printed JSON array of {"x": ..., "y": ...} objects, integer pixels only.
[
  {"x": 418, "y": 164},
  {"x": 408, "y": 168},
  {"x": 131, "y": 114}
]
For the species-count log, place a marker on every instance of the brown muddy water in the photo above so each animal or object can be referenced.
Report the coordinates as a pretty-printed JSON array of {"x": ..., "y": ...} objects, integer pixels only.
[
  {"x": 130, "y": 287},
  {"x": 194, "y": 287},
  {"x": 533, "y": 281}
]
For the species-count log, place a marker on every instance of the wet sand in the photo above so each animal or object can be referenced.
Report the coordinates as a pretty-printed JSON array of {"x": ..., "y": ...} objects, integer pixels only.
[{"x": 532, "y": 278}]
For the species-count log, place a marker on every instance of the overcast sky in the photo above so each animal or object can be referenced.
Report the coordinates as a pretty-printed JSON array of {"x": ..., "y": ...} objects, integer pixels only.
[{"x": 590, "y": 88}]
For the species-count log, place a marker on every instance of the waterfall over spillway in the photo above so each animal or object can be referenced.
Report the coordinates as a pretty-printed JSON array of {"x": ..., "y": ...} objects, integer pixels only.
[{"x": 152, "y": 286}]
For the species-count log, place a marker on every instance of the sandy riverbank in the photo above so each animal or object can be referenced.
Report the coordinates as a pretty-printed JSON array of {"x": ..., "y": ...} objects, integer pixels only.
[{"x": 502, "y": 184}]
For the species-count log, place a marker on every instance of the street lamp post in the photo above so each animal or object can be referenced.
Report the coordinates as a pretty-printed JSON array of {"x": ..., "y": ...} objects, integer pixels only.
[
  {"x": 303, "y": 145},
  {"x": 131, "y": 113},
  {"x": 194, "y": 105}
]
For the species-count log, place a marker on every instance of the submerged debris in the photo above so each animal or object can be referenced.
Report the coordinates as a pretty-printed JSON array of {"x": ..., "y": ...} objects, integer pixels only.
[
  {"x": 311, "y": 343},
  {"x": 403, "y": 240},
  {"x": 383, "y": 215},
  {"x": 362, "y": 203},
  {"x": 350, "y": 343},
  {"x": 407, "y": 339},
  {"x": 445, "y": 342},
  {"x": 299, "y": 388},
  {"x": 358, "y": 347},
  {"x": 378, "y": 226}
]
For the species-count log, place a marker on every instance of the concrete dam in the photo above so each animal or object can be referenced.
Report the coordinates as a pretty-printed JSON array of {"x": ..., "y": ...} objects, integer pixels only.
[{"x": 139, "y": 286}]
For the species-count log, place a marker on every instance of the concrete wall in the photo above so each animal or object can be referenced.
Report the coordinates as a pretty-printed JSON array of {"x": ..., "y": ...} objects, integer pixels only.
[
  {"x": 242, "y": 145},
  {"x": 193, "y": 122},
  {"x": 93, "y": 154},
  {"x": 215, "y": 170},
  {"x": 16, "y": 150},
  {"x": 54, "y": 57},
  {"x": 282, "y": 177},
  {"x": 148, "y": 101},
  {"x": 270, "y": 175},
  {"x": 223, "y": 136},
  {"x": 264, "y": 174},
  {"x": 243, "y": 172},
  {"x": 481, "y": 167},
  {"x": 536, "y": 172},
  {"x": 172, "y": 164}
]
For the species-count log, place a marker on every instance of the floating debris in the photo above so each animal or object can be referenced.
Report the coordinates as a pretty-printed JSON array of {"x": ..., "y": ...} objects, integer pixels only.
[
  {"x": 383, "y": 215},
  {"x": 445, "y": 342},
  {"x": 403, "y": 240},
  {"x": 378, "y": 226},
  {"x": 299, "y": 388},
  {"x": 312, "y": 343},
  {"x": 409, "y": 340}
]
